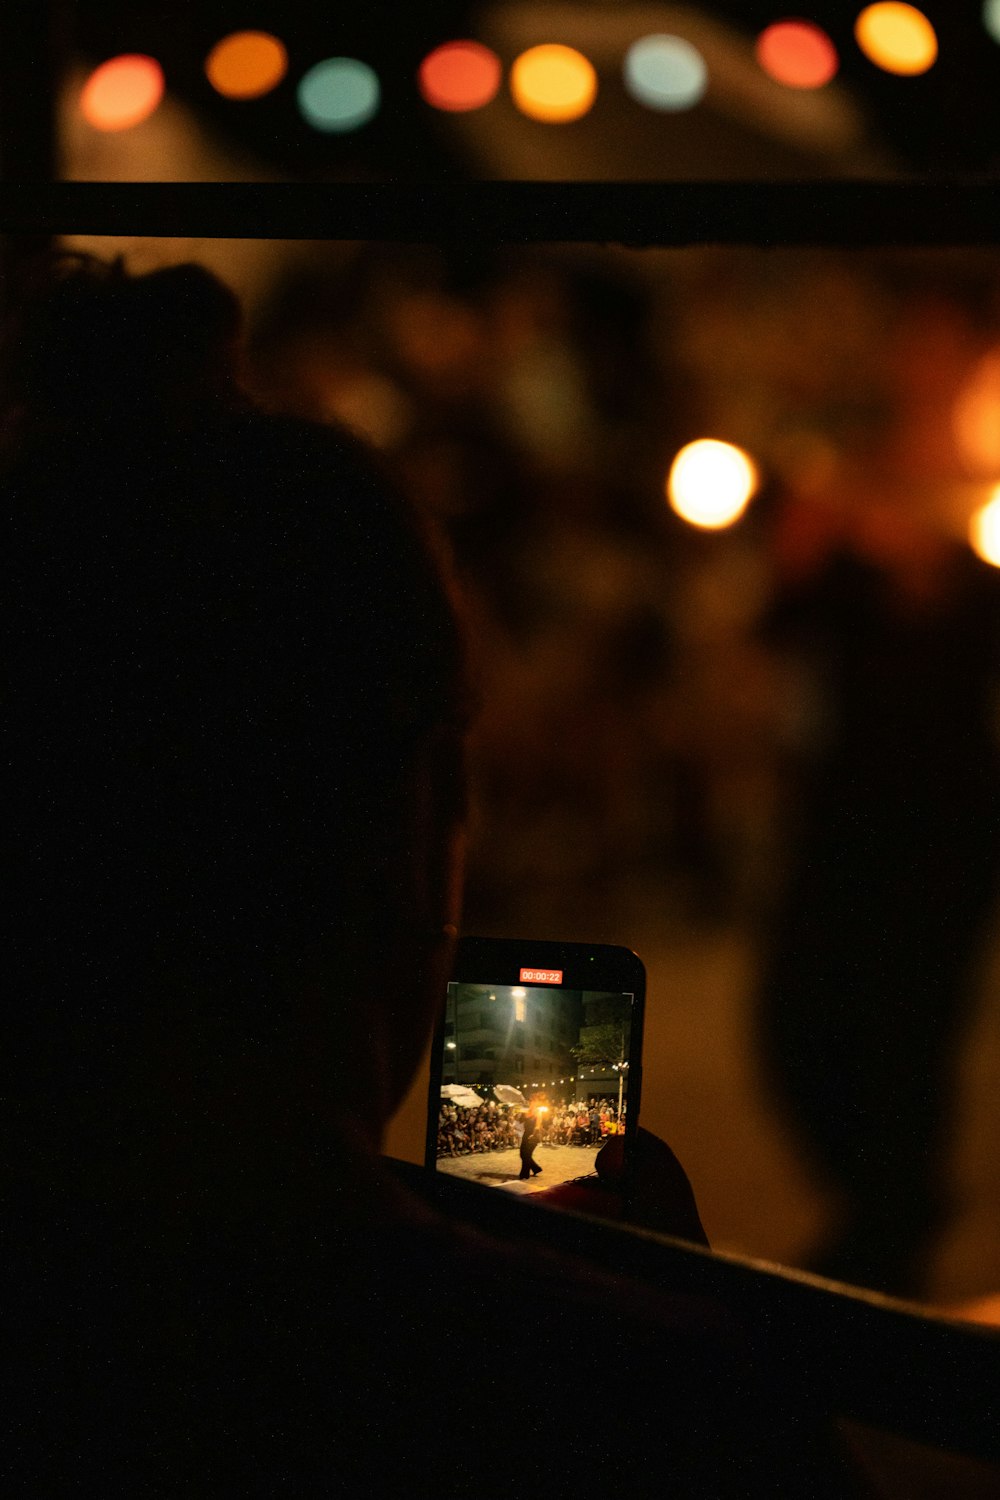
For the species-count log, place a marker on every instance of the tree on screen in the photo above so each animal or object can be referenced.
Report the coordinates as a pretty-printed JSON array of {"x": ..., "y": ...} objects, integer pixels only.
[{"x": 604, "y": 1040}]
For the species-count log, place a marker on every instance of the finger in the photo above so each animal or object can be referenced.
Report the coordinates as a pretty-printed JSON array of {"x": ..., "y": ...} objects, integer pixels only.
[{"x": 661, "y": 1196}]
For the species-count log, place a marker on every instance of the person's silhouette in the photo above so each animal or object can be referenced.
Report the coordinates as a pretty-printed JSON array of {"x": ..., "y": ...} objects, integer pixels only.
[
  {"x": 233, "y": 738},
  {"x": 868, "y": 986},
  {"x": 529, "y": 1140}
]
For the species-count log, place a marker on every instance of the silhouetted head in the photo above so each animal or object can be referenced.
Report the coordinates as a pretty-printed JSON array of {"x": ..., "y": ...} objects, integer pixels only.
[
  {"x": 89, "y": 342},
  {"x": 233, "y": 731}
]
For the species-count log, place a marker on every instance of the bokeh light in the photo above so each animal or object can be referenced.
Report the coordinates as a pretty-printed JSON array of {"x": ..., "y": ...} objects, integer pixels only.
[
  {"x": 984, "y": 530},
  {"x": 459, "y": 76},
  {"x": 246, "y": 64},
  {"x": 896, "y": 37},
  {"x": 122, "y": 92},
  {"x": 991, "y": 18},
  {"x": 339, "y": 94},
  {"x": 976, "y": 418},
  {"x": 797, "y": 54},
  {"x": 372, "y": 405},
  {"x": 665, "y": 72},
  {"x": 553, "y": 83},
  {"x": 711, "y": 483}
]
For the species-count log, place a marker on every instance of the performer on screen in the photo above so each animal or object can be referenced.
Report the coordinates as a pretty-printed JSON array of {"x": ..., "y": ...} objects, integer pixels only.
[{"x": 529, "y": 1140}]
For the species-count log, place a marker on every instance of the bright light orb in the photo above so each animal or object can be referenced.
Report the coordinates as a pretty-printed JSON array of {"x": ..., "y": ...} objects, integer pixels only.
[
  {"x": 991, "y": 18},
  {"x": 711, "y": 483},
  {"x": 984, "y": 530},
  {"x": 898, "y": 38},
  {"x": 665, "y": 72},
  {"x": 797, "y": 54},
  {"x": 459, "y": 76},
  {"x": 553, "y": 83},
  {"x": 122, "y": 92},
  {"x": 339, "y": 94},
  {"x": 246, "y": 64}
]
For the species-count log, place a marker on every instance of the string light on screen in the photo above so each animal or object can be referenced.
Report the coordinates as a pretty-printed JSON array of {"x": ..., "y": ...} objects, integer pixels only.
[
  {"x": 898, "y": 38},
  {"x": 553, "y": 83},
  {"x": 711, "y": 483},
  {"x": 339, "y": 94},
  {"x": 122, "y": 92},
  {"x": 246, "y": 64},
  {"x": 797, "y": 54},
  {"x": 665, "y": 72},
  {"x": 459, "y": 76}
]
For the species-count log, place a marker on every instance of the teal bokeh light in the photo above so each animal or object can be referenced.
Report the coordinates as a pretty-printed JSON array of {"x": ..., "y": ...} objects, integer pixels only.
[
  {"x": 991, "y": 18},
  {"x": 339, "y": 94},
  {"x": 665, "y": 72}
]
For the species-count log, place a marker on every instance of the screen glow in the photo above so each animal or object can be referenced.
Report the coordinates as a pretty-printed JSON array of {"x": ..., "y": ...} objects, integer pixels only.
[
  {"x": 797, "y": 54},
  {"x": 339, "y": 95},
  {"x": 122, "y": 92},
  {"x": 553, "y": 83},
  {"x": 246, "y": 64},
  {"x": 665, "y": 72},
  {"x": 898, "y": 38},
  {"x": 459, "y": 76}
]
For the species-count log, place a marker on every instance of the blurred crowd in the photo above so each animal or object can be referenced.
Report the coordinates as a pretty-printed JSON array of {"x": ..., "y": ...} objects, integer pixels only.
[
  {"x": 463, "y": 1131},
  {"x": 643, "y": 729},
  {"x": 771, "y": 730},
  {"x": 499, "y": 1127}
]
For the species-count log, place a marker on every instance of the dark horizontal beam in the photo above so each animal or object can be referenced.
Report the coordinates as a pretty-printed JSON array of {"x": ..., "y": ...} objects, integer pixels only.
[
  {"x": 639, "y": 213},
  {"x": 861, "y": 1355}
]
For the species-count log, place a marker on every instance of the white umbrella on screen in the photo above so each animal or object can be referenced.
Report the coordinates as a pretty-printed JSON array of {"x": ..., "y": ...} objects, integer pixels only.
[
  {"x": 458, "y": 1093},
  {"x": 507, "y": 1094}
]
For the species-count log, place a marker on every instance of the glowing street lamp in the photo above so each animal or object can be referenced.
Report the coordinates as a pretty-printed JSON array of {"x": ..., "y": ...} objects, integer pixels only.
[{"x": 711, "y": 483}]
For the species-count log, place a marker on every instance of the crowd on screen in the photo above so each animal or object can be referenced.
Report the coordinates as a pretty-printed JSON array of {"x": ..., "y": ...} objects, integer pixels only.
[{"x": 498, "y": 1127}]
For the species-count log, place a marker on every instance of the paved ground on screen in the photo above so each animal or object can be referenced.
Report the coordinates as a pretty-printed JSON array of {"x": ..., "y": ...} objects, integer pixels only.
[{"x": 501, "y": 1168}]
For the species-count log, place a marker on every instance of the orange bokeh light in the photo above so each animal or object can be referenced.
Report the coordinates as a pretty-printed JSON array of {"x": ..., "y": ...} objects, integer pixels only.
[
  {"x": 459, "y": 76},
  {"x": 246, "y": 64},
  {"x": 984, "y": 530},
  {"x": 122, "y": 92},
  {"x": 553, "y": 83},
  {"x": 897, "y": 37},
  {"x": 797, "y": 54},
  {"x": 976, "y": 418}
]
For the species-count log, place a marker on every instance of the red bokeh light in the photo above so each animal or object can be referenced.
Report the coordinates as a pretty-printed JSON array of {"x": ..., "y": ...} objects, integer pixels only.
[
  {"x": 122, "y": 92},
  {"x": 459, "y": 76},
  {"x": 797, "y": 54}
]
